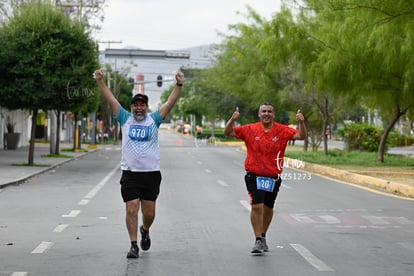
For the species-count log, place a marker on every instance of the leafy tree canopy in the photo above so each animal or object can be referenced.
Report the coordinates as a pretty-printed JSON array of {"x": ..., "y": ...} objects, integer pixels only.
[{"x": 45, "y": 58}]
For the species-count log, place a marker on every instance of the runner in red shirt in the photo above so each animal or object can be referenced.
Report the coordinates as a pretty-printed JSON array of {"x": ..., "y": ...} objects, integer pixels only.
[{"x": 266, "y": 142}]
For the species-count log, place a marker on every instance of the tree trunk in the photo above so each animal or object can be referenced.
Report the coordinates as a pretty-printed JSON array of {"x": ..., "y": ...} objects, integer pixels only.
[
  {"x": 75, "y": 128},
  {"x": 384, "y": 136},
  {"x": 32, "y": 138},
  {"x": 306, "y": 141},
  {"x": 57, "y": 143},
  {"x": 325, "y": 118},
  {"x": 52, "y": 128}
]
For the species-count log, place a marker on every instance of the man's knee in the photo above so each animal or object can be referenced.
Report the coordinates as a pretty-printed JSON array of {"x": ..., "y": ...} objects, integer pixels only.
[
  {"x": 132, "y": 207},
  {"x": 148, "y": 209}
]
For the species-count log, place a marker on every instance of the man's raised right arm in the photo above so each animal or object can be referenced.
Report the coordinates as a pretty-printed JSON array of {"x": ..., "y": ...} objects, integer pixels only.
[
  {"x": 106, "y": 93},
  {"x": 228, "y": 129}
]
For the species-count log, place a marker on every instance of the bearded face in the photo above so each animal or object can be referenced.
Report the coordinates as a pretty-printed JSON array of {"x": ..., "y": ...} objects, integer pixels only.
[{"x": 139, "y": 110}]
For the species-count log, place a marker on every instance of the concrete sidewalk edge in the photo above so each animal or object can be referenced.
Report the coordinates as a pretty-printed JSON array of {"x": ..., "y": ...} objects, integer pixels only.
[
  {"x": 29, "y": 176},
  {"x": 385, "y": 185}
]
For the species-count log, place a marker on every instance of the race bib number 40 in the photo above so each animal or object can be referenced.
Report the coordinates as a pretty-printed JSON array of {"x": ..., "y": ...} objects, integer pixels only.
[
  {"x": 139, "y": 133},
  {"x": 265, "y": 183}
]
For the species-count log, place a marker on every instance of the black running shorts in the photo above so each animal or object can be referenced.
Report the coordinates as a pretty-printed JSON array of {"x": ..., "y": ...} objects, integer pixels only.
[
  {"x": 142, "y": 185},
  {"x": 259, "y": 196}
]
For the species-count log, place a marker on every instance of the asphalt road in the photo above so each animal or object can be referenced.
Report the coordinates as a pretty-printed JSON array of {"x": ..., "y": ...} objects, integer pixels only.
[{"x": 70, "y": 221}]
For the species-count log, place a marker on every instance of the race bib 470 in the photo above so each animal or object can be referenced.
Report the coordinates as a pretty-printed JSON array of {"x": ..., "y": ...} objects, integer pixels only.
[
  {"x": 265, "y": 183},
  {"x": 139, "y": 133}
]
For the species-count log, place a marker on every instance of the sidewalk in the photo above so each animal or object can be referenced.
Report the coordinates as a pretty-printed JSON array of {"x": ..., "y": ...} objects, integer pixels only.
[{"x": 13, "y": 172}]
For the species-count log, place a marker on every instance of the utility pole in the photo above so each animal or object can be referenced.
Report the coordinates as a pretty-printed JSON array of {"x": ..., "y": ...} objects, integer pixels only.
[
  {"x": 110, "y": 42},
  {"x": 79, "y": 4}
]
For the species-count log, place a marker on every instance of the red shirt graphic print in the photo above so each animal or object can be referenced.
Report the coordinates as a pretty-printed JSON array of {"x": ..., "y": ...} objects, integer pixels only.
[{"x": 265, "y": 149}]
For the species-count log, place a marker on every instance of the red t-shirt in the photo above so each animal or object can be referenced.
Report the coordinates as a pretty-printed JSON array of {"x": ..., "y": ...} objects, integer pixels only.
[{"x": 265, "y": 150}]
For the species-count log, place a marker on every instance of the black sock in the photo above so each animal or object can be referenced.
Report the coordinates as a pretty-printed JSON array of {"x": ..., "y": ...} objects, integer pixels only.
[
  {"x": 258, "y": 238},
  {"x": 134, "y": 243}
]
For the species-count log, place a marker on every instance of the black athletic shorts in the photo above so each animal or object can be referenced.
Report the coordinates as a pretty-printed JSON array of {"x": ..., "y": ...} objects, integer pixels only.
[
  {"x": 260, "y": 196},
  {"x": 142, "y": 185}
]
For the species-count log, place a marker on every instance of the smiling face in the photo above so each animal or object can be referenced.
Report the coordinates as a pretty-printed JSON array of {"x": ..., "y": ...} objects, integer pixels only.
[
  {"x": 139, "y": 110},
  {"x": 266, "y": 115}
]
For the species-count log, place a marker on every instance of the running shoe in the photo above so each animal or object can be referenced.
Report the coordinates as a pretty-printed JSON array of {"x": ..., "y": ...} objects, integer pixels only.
[
  {"x": 133, "y": 252},
  {"x": 264, "y": 244},
  {"x": 257, "y": 248},
  {"x": 145, "y": 239}
]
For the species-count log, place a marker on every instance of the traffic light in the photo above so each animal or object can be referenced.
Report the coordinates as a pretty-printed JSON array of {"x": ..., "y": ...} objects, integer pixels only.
[
  {"x": 159, "y": 80},
  {"x": 131, "y": 82}
]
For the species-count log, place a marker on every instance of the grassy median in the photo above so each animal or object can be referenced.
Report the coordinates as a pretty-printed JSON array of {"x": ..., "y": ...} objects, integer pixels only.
[{"x": 343, "y": 158}]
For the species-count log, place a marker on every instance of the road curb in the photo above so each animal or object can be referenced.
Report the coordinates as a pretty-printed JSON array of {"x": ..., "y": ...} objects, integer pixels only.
[
  {"x": 385, "y": 185},
  {"x": 29, "y": 176},
  {"x": 354, "y": 178}
]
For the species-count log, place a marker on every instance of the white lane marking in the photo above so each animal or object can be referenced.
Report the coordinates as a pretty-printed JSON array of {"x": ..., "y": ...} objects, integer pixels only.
[
  {"x": 208, "y": 171},
  {"x": 83, "y": 202},
  {"x": 103, "y": 217},
  {"x": 310, "y": 258},
  {"x": 286, "y": 186},
  {"x": 99, "y": 186},
  {"x": 376, "y": 220},
  {"x": 42, "y": 247},
  {"x": 246, "y": 204},
  {"x": 407, "y": 245},
  {"x": 302, "y": 218},
  {"x": 199, "y": 162},
  {"x": 330, "y": 219},
  {"x": 72, "y": 214},
  {"x": 19, "y": 273},
  {"x": 60, "y": 228},
  {"x": 222, "y": 183},
  {"x": 402, "y": 220}
]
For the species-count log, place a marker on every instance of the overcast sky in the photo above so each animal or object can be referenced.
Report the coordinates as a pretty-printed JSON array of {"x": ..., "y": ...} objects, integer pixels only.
[{"x": 174, "y": 24}]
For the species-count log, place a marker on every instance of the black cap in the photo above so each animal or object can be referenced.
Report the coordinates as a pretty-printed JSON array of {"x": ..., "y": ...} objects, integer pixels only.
[{"x": 140, "y": 97}]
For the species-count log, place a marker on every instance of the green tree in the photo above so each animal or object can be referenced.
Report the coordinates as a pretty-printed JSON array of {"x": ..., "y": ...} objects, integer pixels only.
[
  {"x": 242, "y": 70},
  {"x": 42, "y": 50},
  {"x": 368, "y": 53}
]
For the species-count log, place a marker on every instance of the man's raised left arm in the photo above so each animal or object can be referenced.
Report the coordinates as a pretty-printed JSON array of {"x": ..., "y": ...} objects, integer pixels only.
[
  {"x": 302, "y": 132},
  {"x": 166, "y": 107}
]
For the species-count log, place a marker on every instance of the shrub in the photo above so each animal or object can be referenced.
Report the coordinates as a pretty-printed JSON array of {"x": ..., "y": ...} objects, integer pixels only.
[
  {"x": 400, "y": 140},
  {"x": 363, "y": 137}
]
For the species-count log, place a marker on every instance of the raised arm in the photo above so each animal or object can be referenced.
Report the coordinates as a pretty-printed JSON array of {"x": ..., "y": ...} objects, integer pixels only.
[
  {"x": 302, "y": 132},
  {"x": 109, "y": 97},
  {"x": 228, "y": 129},
  {"x": 166, "y": 107}
]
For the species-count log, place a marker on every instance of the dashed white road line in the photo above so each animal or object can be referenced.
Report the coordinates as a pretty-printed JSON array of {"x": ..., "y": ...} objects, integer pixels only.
[
  {"x": 222, "y": 183},
  {"x": 286, "y": 186},
  {"x": 72, "y": 214},
  {"x": 42, "y": 247},
  {"x": 310, "y": 258},
  {"x": 99, "y": 186},
  {"x": 246, "y": 204},
  {"x": 60, "y": 228},
  {"x": 83, "y": 202},
  {"x": 19, "y": 273}
]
